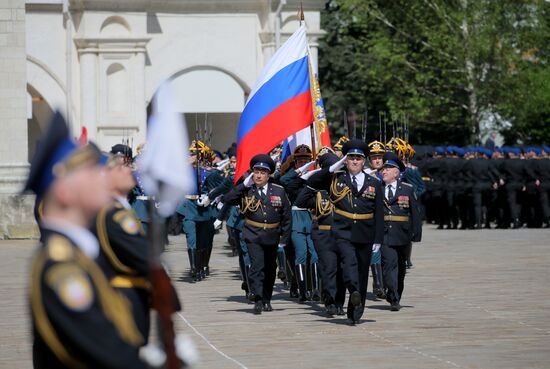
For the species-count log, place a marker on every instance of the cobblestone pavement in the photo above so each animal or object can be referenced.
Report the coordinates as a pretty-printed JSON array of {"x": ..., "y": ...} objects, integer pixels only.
[{"x": 474, "y": 299}]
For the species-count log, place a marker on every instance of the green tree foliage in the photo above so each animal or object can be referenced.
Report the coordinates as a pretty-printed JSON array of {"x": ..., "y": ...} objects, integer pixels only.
[{"x": 442, "y": 65}]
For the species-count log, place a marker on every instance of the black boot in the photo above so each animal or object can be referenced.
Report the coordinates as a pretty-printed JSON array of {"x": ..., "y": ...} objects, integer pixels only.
[
  {"x": 246, "y": 285},
  {"x": 208, "y": 253},
  {"x": 315, "y": 294},
  {"x": 200, "y": 265},
  {"x": 301, "y": 277},
  {"x": 378, "y": 281},
  {"x": 192, "y": 263},
  {"x": 281, "y": 262},
  {"x": 293, "y": 281}
]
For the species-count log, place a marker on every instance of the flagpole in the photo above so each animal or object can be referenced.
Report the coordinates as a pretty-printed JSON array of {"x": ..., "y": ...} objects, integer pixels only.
[{"x": 311, "y": 77}]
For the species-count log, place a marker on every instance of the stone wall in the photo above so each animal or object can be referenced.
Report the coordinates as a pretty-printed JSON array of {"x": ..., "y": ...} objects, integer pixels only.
[{"x": 16, "y": 215}]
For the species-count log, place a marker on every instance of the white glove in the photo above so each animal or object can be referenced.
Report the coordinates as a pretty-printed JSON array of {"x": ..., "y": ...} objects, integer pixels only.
[
  {"x": 186, "y": 350},
  {"x": 222, "y": 164},
  {"x": 339, "y": 164},
  {"x": 203, "y": 200},
  {"x": 306, "y": 176},
  {"x": 304, "y": 168},
  {"x": 248, "y": 180},
  {"x": 375, "y": 247},
  {"x": 219, "y": 206},
  {"x": 218, "y": 224},
  {"x": 282, "y": 245},
  {"x": 153, "y": 355}
]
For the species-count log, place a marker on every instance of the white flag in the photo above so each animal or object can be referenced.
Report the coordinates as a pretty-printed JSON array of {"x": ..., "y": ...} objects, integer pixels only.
[{"x": 164, "y": 165}]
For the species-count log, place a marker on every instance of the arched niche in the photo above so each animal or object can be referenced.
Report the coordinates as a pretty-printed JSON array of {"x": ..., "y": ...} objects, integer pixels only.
[
  {"x": 115, "y": 26},
  {"x": 117, "y": 88}
]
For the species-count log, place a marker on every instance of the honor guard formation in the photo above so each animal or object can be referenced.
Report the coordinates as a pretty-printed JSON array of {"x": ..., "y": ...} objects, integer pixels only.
[{"x": 319, "y": 220}]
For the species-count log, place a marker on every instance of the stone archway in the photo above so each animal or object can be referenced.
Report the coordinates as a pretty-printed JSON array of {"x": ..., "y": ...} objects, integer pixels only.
[{"x": 211, "y": 99}]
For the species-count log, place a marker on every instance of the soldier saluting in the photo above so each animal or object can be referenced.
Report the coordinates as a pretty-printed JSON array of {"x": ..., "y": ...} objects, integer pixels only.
[
  {"x": 267, "y": 226},
  {"x": 358, "y": 221},
  {"x": 403, "y": 224}
]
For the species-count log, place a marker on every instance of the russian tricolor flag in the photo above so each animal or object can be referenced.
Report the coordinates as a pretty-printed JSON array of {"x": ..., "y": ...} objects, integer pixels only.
[{"x": 280, "y": 103}]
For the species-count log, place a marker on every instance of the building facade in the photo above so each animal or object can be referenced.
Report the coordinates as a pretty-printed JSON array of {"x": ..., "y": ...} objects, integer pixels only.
[{"x": 101, "y": 62}]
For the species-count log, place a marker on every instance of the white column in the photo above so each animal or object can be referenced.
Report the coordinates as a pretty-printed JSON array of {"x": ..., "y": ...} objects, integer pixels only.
[
  {"x": 140, "y": 107},
  {"x": 313, "y": 47},
  {"x": 88, "y": 93}
]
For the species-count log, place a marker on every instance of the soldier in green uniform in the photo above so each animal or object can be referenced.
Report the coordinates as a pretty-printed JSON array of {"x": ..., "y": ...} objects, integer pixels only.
[
  {"x": 198, "y": 221},
  {"x": 78, "y": 319},
  {"x": 376, "y": 149},
  {"x": 302, "y": 243}
]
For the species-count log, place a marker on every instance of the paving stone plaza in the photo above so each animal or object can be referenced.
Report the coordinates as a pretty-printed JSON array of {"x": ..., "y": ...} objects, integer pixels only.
[{"x": 474, "y": 299}]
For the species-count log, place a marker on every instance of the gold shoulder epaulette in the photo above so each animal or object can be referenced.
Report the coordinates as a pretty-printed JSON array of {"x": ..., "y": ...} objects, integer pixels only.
[
  {"x": 407, "y": 184},
  {"x": 127, "y": 220},
  {"x": 277, "y": 185},
  {"x": 58, "y": 248}
]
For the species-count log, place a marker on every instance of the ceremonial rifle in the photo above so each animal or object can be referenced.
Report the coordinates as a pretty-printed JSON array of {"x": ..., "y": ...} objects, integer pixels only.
[{"x": 164, "y": 298}]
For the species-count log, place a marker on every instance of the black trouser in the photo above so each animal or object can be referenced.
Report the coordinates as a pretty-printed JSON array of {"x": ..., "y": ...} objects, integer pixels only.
[
  {"x": 480, "y": 196},
  {"x": 263, "y": 260},
  {"x": 330, "y": 268},
  {"x": 394, "y": 259},
  {"x": 355, "y": 267},
  {"x": 512, "y": 192},
  {"x": 542, "y": 193}
]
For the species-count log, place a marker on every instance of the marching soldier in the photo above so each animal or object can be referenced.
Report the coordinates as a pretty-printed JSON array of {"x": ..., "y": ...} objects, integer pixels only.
[
  {"x": 358, "y": 224},
  {"x": 376, "y": 149},
  {"x": 267, "y": 226},
  {"x": 124, "y": 247},
  {"x": 198, "y": 223},
  {"x": 402, "y": 224},
  {"x": 334, "y": 292},
  {"x": 78, "y": 319}
]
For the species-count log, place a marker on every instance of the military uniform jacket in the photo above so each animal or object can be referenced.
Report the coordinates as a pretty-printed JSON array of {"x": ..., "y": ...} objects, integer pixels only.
[
  {"x": 358, "y": 214},
  {"x": 402, "y": 218},
  {"x": 318, "y": 203},
  {"x": 275, "y": 208},
  {"x": 79, "y": 321},
  {"x": 484, "y": 174},
  {"x": 123, "y": 245}
]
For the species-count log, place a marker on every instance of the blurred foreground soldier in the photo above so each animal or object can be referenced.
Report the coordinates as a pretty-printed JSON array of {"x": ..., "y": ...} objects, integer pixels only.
[
  {"x": 79, "y": 321},
  {"x": 358, "y": 223},
  {"x": 402, "y": 224},
  {"x": 123, "y": 243},
  {"x": 267, "y": 226}
]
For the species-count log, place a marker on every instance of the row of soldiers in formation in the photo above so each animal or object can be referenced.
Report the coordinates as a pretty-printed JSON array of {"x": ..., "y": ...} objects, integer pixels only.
[
  {"x": 474, "y": 188},
  {"x": 323, "y": 228}
]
